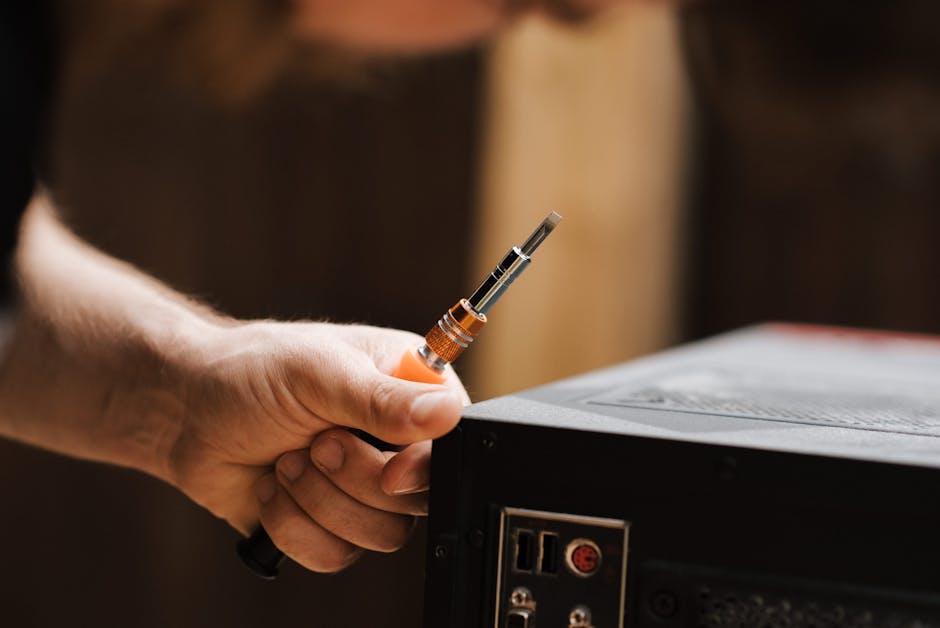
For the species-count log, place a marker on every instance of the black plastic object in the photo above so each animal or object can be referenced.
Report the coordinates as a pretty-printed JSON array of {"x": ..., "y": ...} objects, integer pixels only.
[{"x": 260, "y": 554}]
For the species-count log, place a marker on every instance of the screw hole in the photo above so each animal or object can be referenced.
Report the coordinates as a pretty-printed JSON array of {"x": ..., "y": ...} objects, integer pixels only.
[{"x": 664, "y": 604}]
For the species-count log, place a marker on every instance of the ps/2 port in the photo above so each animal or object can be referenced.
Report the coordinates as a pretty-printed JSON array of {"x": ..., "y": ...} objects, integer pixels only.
[{"x": 583, "y": 557}]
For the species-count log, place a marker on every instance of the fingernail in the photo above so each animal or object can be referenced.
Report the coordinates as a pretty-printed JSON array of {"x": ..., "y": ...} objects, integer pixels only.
[
  {"x": 411, "y": 482},
  {"x": 292, "y": 465},
  {"x": 265, "y": 488},
  {"x": 328, "y": 453},
  {"x": 425, "y": 407}
]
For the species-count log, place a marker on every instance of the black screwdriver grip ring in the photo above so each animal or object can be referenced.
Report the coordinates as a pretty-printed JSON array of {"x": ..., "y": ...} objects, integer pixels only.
[{"x": 260, "y": 554}]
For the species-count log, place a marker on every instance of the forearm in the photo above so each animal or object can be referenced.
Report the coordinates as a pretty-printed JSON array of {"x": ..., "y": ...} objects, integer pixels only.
[{"x": 99, "y": 355}]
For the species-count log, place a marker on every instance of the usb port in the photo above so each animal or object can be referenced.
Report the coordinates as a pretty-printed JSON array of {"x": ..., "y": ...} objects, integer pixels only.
[
  {"x": 525, "y": 550},
  {"x": 548, "y": 553}
]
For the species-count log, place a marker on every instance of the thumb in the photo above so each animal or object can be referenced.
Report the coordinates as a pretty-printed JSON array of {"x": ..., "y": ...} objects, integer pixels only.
[{"x": 345, "y": 387}]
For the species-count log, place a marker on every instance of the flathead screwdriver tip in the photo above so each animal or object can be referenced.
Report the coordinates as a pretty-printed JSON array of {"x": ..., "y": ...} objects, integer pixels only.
[{"x": 541, "y": 232}]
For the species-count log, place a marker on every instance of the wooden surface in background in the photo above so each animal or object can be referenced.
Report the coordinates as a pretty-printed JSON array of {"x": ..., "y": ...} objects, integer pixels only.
[{"x": 589, "y": 122}]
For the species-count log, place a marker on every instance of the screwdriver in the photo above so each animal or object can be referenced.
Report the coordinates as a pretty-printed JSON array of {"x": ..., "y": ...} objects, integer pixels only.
[
  {"x": 453, "y": 334},
  {"x": 460, "y": 325}
]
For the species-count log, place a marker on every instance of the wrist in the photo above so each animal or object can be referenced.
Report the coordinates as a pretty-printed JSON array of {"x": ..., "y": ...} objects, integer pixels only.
[
  {"x": 87, "y": 392},
  {"x": 161, "y": 399}
]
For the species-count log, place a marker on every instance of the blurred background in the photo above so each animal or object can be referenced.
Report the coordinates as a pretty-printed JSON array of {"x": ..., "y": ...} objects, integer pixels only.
[{"x": 717, "y": 165}]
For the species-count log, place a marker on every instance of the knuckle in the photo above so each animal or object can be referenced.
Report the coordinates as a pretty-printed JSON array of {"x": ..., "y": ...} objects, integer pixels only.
[
  {"x": 396, "y": 534},
  {"x": 349, "y": 441},
  {"x": 275, "y": 523},
  {"x": 382, "y": 414},
  {"x": 325, "y": 555},
  {"x": 285, "y": 540},
  {"x": 316, "y": 496}
]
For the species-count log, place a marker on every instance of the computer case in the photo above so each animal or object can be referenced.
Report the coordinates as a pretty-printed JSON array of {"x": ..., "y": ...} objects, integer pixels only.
[{"x": 782, "y": 476}]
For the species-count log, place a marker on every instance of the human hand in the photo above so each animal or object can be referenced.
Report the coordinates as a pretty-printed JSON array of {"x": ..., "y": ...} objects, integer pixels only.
[
  {"x": 107, "y": 364},
  {"x": 274, "y": 392}
]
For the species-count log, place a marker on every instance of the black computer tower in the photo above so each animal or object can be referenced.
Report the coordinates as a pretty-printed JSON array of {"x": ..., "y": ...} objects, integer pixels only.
[{"x": 779, "y": 477}]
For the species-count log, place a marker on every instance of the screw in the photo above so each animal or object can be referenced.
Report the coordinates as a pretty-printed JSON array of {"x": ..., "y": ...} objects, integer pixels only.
[
  {"x": 489, "y": 441},
  {"x": 580, "y": 616},
  {"x": 440, "y": 552},
  {"x": 520, "y": 596},
  {"x": 664, "y": 604}
]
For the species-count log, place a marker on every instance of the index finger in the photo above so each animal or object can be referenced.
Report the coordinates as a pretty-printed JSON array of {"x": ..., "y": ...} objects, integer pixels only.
[{"x": 357, "y": 469}]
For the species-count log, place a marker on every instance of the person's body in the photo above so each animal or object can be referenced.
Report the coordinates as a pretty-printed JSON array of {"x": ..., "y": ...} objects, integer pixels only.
[{"x": 107, "y": 364}]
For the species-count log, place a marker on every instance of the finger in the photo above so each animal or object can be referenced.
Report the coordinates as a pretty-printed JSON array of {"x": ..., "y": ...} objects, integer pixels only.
[
  {"x": 452, "y": 381},
  {"x": 336, "y": 511},
  {"x": 387, "y": 348},
  {"x": 356, "y": 468},
  {"x": 343, "y": 386},
  {"x": 408, "y": 471},
  {"x": 298, "y": 536}
]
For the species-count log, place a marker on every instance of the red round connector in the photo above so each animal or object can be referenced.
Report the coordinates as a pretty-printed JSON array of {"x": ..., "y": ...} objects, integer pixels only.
[{"x": 583, "y": 557}]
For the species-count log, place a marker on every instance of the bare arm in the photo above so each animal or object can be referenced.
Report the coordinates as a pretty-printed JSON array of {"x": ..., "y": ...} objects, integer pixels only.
[
  {"x": 108, "y": 364},
  {"x": 95, "y": 365}
]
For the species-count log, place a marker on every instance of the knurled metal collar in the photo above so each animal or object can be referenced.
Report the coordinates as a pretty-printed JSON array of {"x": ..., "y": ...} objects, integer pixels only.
[{"x": 455, "y": 331}]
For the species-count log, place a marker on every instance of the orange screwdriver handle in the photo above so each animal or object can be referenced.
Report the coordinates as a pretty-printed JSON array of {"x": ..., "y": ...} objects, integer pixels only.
[{"x": 414, "y": 368}]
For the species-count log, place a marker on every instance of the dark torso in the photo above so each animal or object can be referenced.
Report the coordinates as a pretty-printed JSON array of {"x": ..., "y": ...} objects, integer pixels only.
[{"x": 25, "y": 81}]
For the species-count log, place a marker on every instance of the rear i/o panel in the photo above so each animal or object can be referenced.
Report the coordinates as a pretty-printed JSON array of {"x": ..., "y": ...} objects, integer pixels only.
[{"x": 557, "y": 569}]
